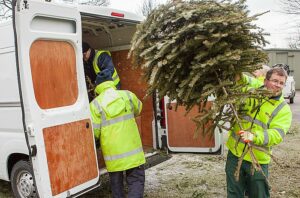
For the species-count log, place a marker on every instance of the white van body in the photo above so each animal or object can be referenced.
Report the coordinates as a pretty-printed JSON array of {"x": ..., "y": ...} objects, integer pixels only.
[
  {"x": 44, "y": 107},
  {"x": 289, "y": 90}
]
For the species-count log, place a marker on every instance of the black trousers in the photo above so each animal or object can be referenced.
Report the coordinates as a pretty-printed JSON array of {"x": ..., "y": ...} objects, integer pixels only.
[{"x": 135, "y": 179}]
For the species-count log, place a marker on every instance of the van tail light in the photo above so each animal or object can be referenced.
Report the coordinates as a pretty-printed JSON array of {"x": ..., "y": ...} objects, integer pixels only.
[
  {"x": 117, "y": 14},
  {"x": 163, "y": 112}
]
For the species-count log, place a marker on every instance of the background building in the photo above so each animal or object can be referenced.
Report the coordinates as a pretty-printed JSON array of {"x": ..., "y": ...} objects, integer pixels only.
[{"x": 290, "y": 57}]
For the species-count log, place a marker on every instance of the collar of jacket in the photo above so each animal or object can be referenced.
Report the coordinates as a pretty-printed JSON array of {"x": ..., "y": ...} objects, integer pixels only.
[
  {"x": 103, "y": 86},
  {"x": 276, "y": 97}
]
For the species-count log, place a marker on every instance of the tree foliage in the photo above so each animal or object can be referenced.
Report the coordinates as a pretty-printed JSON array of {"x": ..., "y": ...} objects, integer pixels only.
[{"x": 193, "y": 50}]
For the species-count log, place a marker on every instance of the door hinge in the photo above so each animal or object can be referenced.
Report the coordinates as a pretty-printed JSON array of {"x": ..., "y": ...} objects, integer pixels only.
[
  {"x": 22, "y": 5},
  {"x": 30, "y": 130}
]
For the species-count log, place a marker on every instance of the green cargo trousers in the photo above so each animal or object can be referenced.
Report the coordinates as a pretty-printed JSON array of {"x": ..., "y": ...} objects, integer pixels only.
[{"x": 256, "y": 184}]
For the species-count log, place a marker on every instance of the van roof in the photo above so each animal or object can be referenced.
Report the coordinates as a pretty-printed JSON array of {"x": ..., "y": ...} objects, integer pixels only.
[{"x": 109, "y": 13}]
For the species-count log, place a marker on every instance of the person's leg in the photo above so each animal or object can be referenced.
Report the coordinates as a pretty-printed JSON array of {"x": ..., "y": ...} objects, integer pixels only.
[
  {"x": 258, "y": 186},
  {"x": 235, "y": 189},
  {"x": 135, "y": 179},
  {"x": 116, "y": 184}
]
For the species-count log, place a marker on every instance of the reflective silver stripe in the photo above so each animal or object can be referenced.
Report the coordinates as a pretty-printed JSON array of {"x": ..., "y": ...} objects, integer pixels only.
[
  {"x": 96, "y": 126},
  {"x": 115, "y": 78},
  {"x": 130, "y": 100},
  {"x": 275, "y": 112},
  {"x": 139, "y": 106},
  {"x": 120, "y": 156},
  {"x": 281, "y": 132},
  {"x": 97, "y": 105},
  {"x": 266, "y": 138},
  {"x": 249, "y": 80},
  {"x": 116, "y": 120},
  {"x": 258, "y": 122}
]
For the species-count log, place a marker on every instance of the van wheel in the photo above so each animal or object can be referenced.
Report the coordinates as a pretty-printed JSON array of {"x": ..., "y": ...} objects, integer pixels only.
[
  {"x": 22, "y": 182},
  {"x": 292, "y": 100}
]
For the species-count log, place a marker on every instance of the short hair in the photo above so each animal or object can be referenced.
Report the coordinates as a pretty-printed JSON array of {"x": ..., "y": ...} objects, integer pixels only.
[{"x": 277, "y": 70}]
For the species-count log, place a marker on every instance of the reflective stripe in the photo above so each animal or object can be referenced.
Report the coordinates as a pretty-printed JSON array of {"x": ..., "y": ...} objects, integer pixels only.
[
  {"x": 116, "y": 77},
  {"x": 258, "y": 122},
  {"x": 281, "y": 132},
  {"x": 120, "y": 156},
  {"x": 139, "y": 106},
  {"x": 130, "y": 100},
  {"x": 116, "y": 120},
  {"x": 96, "y": 126},
  {"x": 249, "y": 80},
  {"x": 275, "y": 112},
  {"x": 97, "y": 105},
  {"x": 266, "y": 138}
]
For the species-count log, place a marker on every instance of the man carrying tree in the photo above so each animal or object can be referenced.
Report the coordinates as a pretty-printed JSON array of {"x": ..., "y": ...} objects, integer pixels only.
[{"x": 263, "y": 126}]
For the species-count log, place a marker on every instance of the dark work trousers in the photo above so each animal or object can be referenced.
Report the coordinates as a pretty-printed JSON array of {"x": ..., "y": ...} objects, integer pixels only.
[
  {"x": 135, "y": 179},
  {"x": 256, "y": 184}
]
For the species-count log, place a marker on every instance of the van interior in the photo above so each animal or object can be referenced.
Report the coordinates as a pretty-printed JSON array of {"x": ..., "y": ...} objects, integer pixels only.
[{"x": 115, "y": 35}]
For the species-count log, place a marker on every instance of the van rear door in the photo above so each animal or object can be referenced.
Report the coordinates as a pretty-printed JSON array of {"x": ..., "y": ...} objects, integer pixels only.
[
  {"x": 180, "y": 130},
  {"x": 54, "y": 99}
]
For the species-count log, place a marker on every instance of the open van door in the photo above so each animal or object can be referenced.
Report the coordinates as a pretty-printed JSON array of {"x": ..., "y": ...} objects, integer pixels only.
[
  {"x": 180, "y": 130},
  {"x": 54, "y": 100}
]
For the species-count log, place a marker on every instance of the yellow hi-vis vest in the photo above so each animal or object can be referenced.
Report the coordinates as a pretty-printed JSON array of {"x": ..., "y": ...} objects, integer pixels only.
[
  {"x": 270, "y": 124},
  {"x": 115, "y": 75},
  {"x": 113, "y": 115}
]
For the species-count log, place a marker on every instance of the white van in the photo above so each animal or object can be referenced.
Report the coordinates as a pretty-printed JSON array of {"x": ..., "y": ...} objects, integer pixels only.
[{"x": 47, "y": 147}]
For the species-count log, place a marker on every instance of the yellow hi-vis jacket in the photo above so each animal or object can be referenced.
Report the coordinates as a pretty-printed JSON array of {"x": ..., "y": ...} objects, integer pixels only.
[
  {"x": 115, "y": 75},
  {"x": 113, "y": 116},
  {"x": 270, "y": 125}
]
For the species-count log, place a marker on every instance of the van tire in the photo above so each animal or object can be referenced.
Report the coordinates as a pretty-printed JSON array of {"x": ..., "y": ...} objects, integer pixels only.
[{"x": 22, "y": 182}]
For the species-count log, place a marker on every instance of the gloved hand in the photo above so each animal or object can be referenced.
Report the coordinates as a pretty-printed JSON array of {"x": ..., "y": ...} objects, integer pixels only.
[{"x": 246, "y": 136}]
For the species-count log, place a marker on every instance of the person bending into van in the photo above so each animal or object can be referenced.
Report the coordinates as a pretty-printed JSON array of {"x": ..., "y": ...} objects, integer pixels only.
[
  {"x": 260, "y": 74},
  {"x": 113, "y": 115},
  {"x": 267, "y": 126},
  {"x": 96, "y": 61}
]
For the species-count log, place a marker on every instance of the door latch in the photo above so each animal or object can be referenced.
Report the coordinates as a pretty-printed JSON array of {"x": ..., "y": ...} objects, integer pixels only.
[{"x": 33, "y": 150}]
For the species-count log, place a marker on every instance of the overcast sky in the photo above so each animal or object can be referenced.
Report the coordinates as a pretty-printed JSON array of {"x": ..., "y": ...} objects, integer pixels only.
[{"x": 280, "y": 26}]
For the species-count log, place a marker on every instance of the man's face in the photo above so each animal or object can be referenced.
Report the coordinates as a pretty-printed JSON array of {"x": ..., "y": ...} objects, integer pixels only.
[
  {"x": 275, "y": 84},
  {"x": 86, "y": 55}
]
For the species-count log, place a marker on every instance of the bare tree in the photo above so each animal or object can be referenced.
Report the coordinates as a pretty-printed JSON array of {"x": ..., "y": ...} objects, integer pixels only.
[
  {"x": 294, "y": 41},
  {"x": 5, "y": 9},
  {"x": 148, "y": 6},
  {"x": 96, "y": 2},
  {"x": 290, "y": 6},
  {"x": 5, "y": 6}
]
